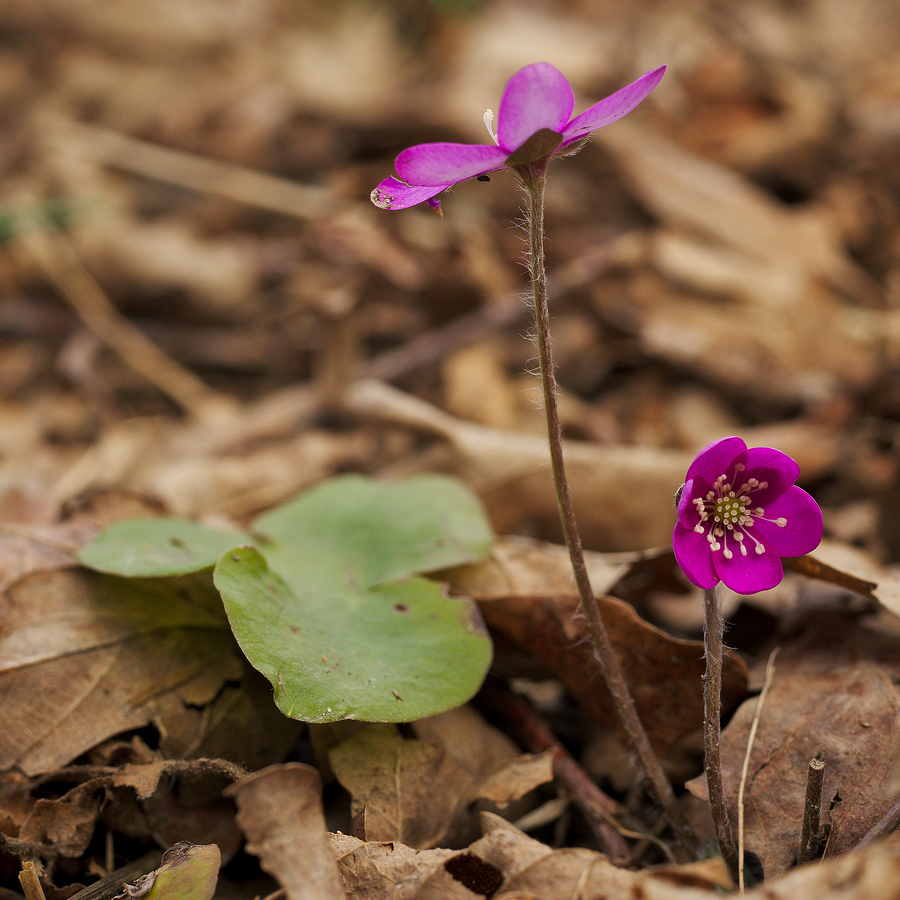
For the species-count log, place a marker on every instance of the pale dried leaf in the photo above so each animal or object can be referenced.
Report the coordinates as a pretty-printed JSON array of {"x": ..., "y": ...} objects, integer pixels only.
[{"x": 280, "y": 813}]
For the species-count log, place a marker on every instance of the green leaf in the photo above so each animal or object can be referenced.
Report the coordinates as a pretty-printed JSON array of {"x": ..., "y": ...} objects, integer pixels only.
[
  {"x": 147, "y": 548},
  {"x": 365, "y": 532},
  {"x": 187, "y": 872},
  {"x": 394, "y": 653},
  {"x": 329, "y": 610}
]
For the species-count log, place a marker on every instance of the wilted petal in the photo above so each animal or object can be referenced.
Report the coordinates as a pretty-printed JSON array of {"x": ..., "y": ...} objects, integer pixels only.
[
  {"x": 613, "y": 107},
  {"x": 447, "y": 163},
  {"x": 536, "y": 97},
  {"x": 802, "y": 531},
  {"x": 751, "y": 573},
  {"x": 394, "y": 194},
  {"x": 692, "y": 554}
]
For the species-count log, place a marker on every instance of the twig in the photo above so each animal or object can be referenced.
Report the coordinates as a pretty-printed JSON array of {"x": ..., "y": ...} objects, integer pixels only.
[
  {"x": 767, "y": 683},
  {"x": 197, "y": 173},
  {"x": 110, "y": 885},
  {"x": 31, "y": 884},
  {"x": 812, "y": 807},
  {"x": 59, "y": 260},
  {"x": 712, "y": 725},
  {"x": 885, "y": 826},
  {"x": 535, "y": 734},
  {"x": 533, "y": 181}
]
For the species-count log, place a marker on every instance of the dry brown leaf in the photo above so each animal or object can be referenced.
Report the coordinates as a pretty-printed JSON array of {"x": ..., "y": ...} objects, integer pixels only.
[
  {"x": 418, "y": 791},
  {"x": 508, "y": 864},
  {"x": 700, "y": 196},
  {"x": 166, "y": 800},
  {"x": 522, "y": 566},
  {"x": 372, "y": 870},
  {"x": 280, "y": 813},
  {"x": 834, "y": 696},
  {"x": 664, "y": 672},
  {"x": 86, "y": 656}
]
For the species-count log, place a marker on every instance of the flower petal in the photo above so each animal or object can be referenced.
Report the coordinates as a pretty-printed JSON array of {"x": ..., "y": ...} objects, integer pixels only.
[
  {"x": 693, "y": 555},
  {"x": 393, "y": 194},
  {"x": 803, "y": 531},
  {"x": 751, "y": 573},
  {"x": 777, "y": 469},
  {"x": 714, "y": 460},
  {"x": 688, "y": 513},
  {"x": 447, "y": 163},
  {"x": 536, "y": 97},
  {"x": 613, "y": 107}
]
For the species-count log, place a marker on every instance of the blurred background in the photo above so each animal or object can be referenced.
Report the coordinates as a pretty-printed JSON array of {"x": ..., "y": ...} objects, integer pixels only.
[{"x": 193, "y": 279}]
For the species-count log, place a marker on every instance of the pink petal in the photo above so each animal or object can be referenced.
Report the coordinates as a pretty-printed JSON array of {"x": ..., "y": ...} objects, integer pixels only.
[
  {"x": 536, "y": 97},
  {"x": 803, "y": 531},
  {"x": 777, "y": 469},
  {"x": 751, "y": 573},
  {"x": 393, "y": 194},
  {"x": 687, "y": 509},
  {"x": 692, "y": 553},
  {"x": 447, "y": 163},
  {"x": 613, "y": 107},
  {"x": 714, "y": 460}
]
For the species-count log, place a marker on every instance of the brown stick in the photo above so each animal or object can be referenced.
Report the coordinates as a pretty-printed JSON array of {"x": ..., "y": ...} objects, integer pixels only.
[
  {"x": 812, "y": 807},
  {"x": 535, "y": 734}
]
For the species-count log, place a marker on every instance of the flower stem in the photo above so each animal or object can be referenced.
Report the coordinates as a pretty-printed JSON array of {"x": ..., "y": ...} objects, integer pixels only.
[
  {"x": 533, "y": 179},
  {"x": 712, "y": 723}
]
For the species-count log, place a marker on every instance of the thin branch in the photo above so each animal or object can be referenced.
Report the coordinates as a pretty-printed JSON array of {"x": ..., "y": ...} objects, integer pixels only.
[
  {"x": 812, "y": 807},
  {"x": 597, "y": 808},
  {"x": 62, "y": 265},
  {"x": 885, "y": 826}
]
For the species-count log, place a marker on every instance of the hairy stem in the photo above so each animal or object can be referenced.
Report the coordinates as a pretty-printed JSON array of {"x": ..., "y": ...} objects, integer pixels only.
[
  {"x": 712, "y": 724},
  {"x": 533, "y": 179}
]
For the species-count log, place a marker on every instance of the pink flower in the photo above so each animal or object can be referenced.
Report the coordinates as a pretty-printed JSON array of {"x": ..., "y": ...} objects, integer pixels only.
[
  {"x": 739, "y": 512},
  {"x": 534, "y": 121}
]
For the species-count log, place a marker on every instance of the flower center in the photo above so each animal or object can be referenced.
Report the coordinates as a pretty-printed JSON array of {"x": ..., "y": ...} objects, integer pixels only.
[{"x": 726, "y": 514}]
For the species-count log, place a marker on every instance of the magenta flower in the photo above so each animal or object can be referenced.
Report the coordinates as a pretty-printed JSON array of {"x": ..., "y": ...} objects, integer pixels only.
[
  {"x": 739, "y": 512},
  {"x": 534, "y": 121}
]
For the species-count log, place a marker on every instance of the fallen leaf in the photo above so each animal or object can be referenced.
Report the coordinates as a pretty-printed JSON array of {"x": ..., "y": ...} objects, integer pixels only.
[
  {"x": 280, "y": 812},
  {"x": 834, "y": 696},
  {"x": 419, "y": 790},
  {"x": 665, "y": 673},
  {"x": 508, "y": 865},
  {"x": 187, "y": 872},
  {"x": 166, "y": 800},
  {"x": 86, "y": 656}
]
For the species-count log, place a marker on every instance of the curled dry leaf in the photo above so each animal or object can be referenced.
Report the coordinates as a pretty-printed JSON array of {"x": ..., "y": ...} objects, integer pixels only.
[
  {"x": 622, "y": 494},
  {"x": 419, "y": 790},
  {"x": 165, "y": 800},
  {"x": 280, "y": 813}
]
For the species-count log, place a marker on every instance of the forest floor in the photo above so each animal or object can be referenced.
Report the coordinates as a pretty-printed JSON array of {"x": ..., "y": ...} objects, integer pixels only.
[{"x": 203, "y": 314}]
